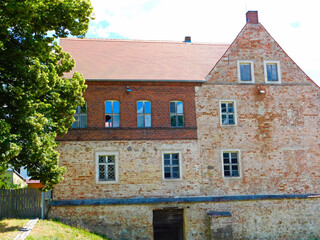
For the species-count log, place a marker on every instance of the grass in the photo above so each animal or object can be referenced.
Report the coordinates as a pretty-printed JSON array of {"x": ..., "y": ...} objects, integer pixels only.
[
  {"x": 54, "y": 230},
  {"x": 45, "y": 229},
  {"x": 9, "y": 228}
]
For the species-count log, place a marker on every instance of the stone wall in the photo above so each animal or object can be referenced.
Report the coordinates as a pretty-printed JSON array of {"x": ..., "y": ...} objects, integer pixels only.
[{"x": 264, "y": 219}]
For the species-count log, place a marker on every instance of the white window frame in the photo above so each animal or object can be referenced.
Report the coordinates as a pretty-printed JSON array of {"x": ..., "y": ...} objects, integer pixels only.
[
  {"x": 235, "y": 113},
  {"x": 252, "y": 70},
  {"x": 116, "y": 156},
  {"x": 112, "y": 114},
  {"x": 239, "y": 163},
  {"x": 79, "y": 116},
  {"x": 278, "y": 71},
  {"x": 180, "y": 165}
]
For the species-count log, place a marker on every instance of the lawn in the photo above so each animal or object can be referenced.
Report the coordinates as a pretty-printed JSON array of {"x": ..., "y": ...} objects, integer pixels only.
[
  {"x": 45, "y": 229},
  {"x": 9, "y": 228}
]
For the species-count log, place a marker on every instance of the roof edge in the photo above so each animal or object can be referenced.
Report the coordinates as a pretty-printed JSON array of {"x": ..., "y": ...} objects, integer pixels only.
[{"x": 146, "y": 80}]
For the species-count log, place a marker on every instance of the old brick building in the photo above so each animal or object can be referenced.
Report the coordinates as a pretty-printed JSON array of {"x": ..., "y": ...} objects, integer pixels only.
[{"x": 182, "y": 140}]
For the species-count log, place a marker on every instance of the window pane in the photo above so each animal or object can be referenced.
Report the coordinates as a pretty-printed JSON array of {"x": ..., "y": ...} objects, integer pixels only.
[
  {"x": 175, "y": 156},
  {"x": 167, "y": 170},
  {"x": 116, "y": 108},
  {"x": 227, "y": 173},
  {"x": 108, "y": 106},
  {"x": 175, "y": 162},
  {"x": 235, "y": 167},
  {"x": 175, "y": 175},
  {"x": 245, "y": 72},
  {"x": 180, "y": 121},
  {"x": 102, "y": 172},
  {"x": 179, "y": 107},
  {"x": 139, "y": 107},
  {"x": 225, "y": 155},
  {"x": 116, "y": 121},
  {"x": 166, "y": 156},
  {"x": 147, "y": 120},
  {"x": 75, "y": 124},
  {"x": 147, "y": 107},
  {"x": 234, "y": 155},
  {"x": 235, "y": 173},
  {"x": 83, "y": 121},
  {"x": 173, "y": 121},
  {"x": 172, "y": 107},
  {"x": 140, "y": 120},
  {"x": 230, "y": 108},
  {"x": 110, "y": 159},
  {"x": 226, "y": 167},
  {"x": 111, "y": 173},
  {"x": 225, "y": 119},
  {"x": 272, "y": 72},
  {"x": 166, "y": 162},
  {"x": 102, "y": 159}
]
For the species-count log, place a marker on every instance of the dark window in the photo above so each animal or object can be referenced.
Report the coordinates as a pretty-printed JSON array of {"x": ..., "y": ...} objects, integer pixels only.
[
  {"x": 107, "y": 168},
  {"x": 80, "y": 117},
  {"x": 112, "y": 114},
  {"x": 144, "y": 114},
  {"x": 230, "y": 164},
  {"x": 176, "y": 114},
  {"x": 171, "y": 165}
]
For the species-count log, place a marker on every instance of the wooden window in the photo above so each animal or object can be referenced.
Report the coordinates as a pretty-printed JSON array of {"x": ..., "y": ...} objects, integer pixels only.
[
  {"x": 176, "y": 114},
  {"x": 144, "y": 114},
  {"x": 80, "y": 117},
  {"x": 112, "y": 114}
]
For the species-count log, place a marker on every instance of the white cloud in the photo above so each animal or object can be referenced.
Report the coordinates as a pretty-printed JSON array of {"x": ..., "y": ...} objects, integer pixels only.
[{"x": 216, "y": 21}]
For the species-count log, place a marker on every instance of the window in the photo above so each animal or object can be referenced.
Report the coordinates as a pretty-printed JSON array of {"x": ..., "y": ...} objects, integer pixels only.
[
  {"x": 227, "y": 113},
  {"x": 80, "y": 117},
  {"x": 112, "y": 114},
  {"x": 231, "y": 164},
  {"x": 272, "y": 71},
  {"x": 144, "y": 114},
  {"x": 106, "y": 167},
  {"x": 171, "y": 165},
  {"x": 245, "y": 71},
  {"x": 176, "y": 114}
]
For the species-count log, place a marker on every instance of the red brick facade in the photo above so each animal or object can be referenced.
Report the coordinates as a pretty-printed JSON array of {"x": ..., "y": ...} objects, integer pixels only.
[{"x": 159, "y": 94}]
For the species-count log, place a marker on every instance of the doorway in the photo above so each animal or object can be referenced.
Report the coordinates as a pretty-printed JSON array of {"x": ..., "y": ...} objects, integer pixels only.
[{"x": 168, "y": 224}]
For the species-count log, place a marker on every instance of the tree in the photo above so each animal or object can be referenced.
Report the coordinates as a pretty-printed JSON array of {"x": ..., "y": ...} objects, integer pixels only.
[{"x": 36, "y": 102}]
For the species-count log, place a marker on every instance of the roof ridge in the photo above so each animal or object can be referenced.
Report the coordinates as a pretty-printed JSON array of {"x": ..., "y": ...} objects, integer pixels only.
[{"x": 143, "y": 41}]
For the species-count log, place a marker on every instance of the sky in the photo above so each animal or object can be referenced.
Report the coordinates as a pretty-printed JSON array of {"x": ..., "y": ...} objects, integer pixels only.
[{"x": 294, "y": 24}]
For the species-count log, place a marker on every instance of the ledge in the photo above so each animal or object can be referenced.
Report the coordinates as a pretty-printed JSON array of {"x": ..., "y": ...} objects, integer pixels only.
[
  {"x": 128, "y": 201},
  {"x": 219, "y": 214}
]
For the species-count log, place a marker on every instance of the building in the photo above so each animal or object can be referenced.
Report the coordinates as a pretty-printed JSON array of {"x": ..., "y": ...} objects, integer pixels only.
[{"x": 180, "y": 140}]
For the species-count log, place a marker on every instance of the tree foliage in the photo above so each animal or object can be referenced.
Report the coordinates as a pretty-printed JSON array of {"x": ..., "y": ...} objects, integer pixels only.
[{"x": 36, "y": 102}]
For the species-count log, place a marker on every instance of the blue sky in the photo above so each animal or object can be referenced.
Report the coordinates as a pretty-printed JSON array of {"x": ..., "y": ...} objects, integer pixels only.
[{"x": 293, "y": 23}]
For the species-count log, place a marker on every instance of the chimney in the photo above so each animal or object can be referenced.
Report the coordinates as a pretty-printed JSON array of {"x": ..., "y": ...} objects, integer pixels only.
[
  {"x": 187, "y": 39},
  {"x": 252, "y": 17}
]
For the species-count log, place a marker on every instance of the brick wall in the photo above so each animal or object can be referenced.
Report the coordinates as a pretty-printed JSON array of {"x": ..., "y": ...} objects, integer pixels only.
[{"x": 160, "y": 95}]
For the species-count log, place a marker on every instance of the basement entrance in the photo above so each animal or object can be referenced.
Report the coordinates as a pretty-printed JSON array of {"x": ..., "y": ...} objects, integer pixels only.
[{"x": 168, "y": 224}]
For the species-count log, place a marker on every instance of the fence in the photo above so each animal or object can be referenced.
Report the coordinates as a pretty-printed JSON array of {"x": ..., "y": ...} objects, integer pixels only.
[{"x": 20, "y": 203}]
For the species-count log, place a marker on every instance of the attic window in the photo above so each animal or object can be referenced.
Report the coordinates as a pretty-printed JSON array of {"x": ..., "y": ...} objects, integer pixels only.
[
  {"x": 272, "y": 71},
  {"x": 245, "y": 72}
]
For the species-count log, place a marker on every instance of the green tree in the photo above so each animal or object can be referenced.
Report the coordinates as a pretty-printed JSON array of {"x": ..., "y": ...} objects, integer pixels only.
[{"x": 36, "y": 102}]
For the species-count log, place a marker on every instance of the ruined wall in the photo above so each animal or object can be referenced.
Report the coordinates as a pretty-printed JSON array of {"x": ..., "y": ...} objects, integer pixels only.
[{"x": 268, "y": 219}]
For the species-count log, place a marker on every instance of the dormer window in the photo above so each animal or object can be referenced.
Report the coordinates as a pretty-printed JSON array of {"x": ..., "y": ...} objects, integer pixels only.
[
  {"x": 272, "y": 71},
  {"x": 245, "y": 72}
]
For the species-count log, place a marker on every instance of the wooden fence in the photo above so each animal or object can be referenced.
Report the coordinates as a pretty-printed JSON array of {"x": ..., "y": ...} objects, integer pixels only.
[{"x": 20, "y": 203}]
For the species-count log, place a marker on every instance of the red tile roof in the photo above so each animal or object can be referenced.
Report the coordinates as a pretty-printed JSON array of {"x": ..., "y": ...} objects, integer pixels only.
[{"x": 105, "y": 59}]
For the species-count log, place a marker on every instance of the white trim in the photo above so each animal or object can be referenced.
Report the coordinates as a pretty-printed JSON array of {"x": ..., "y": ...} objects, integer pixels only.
[
  {"x": 278, "y": 70},
  {"x": 235, "y": 113},
  {"x": 116, "y": 161},
  {"x": 239, "y": 163},
  {"x": 252, "y": 70},
  {"x": 180, "y": 165}
]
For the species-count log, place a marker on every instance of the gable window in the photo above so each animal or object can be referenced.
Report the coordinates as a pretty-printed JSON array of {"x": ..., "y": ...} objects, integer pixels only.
[
  {"x": 245, "y": 71},
  {"x": 272, "y": 71},
  {"x": 144, "y": 114},
  {"x": 171, "y": 165},
  {"x": 176, "y": 114},
  {"x": 231, "y": 166},
  {"x": 106, "y": 167},
  {"x": 227, "y": 113},
  {"x": 80, "y": 117},
  {"x": 112, "y": 114}
]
